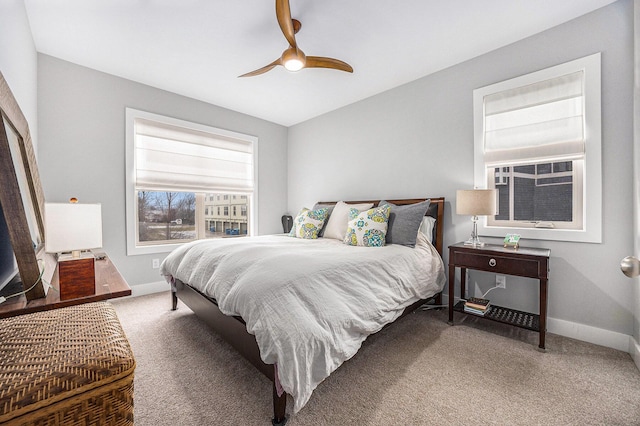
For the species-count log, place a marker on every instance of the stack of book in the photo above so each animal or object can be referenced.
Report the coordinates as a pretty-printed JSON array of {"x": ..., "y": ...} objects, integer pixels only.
[{"x": 475, "y": 305}]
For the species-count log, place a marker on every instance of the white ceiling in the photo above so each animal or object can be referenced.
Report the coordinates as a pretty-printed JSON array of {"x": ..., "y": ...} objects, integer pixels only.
[{"x": 197, "y": 48}]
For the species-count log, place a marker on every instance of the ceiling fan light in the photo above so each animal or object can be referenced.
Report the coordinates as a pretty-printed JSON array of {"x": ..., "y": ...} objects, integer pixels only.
[
  {"x": 294, "y": 64},
  {"x": 293, "y": 59}
]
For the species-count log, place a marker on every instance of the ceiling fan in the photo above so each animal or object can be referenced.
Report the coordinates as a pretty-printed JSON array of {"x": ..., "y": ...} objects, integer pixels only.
[{"x": 293, "y": 58}]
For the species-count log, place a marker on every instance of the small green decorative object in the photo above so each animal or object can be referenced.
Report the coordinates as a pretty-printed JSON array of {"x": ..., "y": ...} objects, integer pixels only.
[{"x": 512, "y": 240}]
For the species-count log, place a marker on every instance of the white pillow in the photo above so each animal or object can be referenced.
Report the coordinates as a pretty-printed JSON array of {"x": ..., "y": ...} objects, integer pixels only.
[
  {"x": 336, "y": 227},
  {"x": 426, "y": 227}
]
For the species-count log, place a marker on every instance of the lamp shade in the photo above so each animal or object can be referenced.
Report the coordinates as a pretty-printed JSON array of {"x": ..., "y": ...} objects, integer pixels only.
[
  {"x": 476, "y": 202},
  {"x": 71, "y": 227}
]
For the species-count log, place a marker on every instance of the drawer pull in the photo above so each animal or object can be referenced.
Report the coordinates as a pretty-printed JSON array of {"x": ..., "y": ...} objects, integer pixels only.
[{"x": 492, "y": 262}]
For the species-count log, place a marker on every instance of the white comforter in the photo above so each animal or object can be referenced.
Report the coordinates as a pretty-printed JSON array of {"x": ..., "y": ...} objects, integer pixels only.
[{"x": 310, "y": 303}]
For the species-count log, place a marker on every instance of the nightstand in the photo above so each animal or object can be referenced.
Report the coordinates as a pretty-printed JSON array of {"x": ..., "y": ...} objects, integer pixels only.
[{"x": 520, "y": 262}]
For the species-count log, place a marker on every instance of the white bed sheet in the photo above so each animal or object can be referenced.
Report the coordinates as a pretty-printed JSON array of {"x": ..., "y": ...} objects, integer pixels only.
[{"x": 310, "y": 303}]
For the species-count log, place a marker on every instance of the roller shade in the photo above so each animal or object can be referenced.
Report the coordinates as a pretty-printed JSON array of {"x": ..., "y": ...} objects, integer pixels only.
[
  {"x": 171, "y": 158},
  {"x": 534, "y": 122}
]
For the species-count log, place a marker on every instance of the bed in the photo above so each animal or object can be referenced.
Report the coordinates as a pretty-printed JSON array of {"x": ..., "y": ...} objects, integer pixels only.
[{"x": 294, "y": 337}]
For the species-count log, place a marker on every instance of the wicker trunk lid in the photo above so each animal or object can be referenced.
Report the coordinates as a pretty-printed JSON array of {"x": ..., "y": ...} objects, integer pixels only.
[{"x": 71, "y": 366}]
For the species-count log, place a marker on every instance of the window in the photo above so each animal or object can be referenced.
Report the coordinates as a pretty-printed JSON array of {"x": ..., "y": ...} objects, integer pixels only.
[
  {"x": 173, "y": 168},
  {"x": 538, "y": 142}
]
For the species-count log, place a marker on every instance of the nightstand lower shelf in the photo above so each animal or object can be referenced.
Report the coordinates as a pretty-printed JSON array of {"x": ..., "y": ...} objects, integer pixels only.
[{"x": 504, "y": 315}]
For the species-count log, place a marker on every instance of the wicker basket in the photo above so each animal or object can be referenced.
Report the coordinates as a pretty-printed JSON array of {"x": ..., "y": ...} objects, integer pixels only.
[{"x": 69, "y": 366}]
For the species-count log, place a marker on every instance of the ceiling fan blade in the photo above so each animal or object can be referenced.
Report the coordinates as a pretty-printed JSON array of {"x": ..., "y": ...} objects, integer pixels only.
[
  {"x": 264, "y": 69},
  {"x": 320, "y": 62},
  {"x": 283, "y": 13}
]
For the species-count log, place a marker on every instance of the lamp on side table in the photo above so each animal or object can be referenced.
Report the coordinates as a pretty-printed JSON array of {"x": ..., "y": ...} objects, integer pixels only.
[
  {"x": 70, "y": 231},
  {"x": 476, "y": 202}
]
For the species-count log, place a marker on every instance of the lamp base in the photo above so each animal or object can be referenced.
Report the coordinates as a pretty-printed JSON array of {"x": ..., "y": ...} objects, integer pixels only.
[
  {"x": 76, "y": 276},
  {"x": 474, "y": 243},
  {"x": 473, "y": 240}
]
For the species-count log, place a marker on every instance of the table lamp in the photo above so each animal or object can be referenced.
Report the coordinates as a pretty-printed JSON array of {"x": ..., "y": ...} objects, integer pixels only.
[
  {"x": 71, "y": 230},
  {"x": 476, "y": 202}
]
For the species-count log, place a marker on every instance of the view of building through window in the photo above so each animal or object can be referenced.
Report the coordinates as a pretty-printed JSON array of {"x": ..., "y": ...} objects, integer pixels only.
[
  {"x": 233, "y": 220},
  {"x": 166, "y": 216},
  {"x": 535, "y": 192}
]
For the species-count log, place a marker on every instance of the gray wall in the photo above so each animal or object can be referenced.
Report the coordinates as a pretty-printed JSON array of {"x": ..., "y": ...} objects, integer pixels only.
[
  {"x": 417, "y": 140},
  {"x": 19, "y": 60},
  {"x": 82, "y": 148}
]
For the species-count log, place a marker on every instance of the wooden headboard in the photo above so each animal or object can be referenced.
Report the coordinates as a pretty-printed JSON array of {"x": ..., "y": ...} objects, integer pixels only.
[{"x": 435, "y": 210}]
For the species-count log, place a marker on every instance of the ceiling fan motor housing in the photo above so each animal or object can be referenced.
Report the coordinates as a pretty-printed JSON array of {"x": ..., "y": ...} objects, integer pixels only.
[{"x": 293, "y": 59}]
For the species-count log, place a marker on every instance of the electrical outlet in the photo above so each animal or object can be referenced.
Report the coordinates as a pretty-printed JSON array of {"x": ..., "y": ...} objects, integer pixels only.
[
  {"x": 156, "y": 263},
  {"x": 501, "y": 281}
]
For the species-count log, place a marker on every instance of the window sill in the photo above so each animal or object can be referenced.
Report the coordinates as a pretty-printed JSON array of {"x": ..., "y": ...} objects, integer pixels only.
[
  {"x": 569, "y": 235},
  {"x": 152, "y": 249}
]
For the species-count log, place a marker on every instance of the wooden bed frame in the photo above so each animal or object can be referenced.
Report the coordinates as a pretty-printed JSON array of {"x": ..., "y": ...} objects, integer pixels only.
[{"x": 234, "y": 331}]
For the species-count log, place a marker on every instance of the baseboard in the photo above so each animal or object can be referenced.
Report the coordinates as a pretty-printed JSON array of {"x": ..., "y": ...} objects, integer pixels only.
[
  {"x": 587, "y": 333},
  {"x": 155, "y": 287},
  {"x": 634, "y": 351}
]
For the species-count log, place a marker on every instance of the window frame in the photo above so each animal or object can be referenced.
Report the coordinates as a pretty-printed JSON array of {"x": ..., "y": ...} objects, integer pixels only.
[
  {"x": 133, "y": 248},
  {"x": 591, "y": 193}
]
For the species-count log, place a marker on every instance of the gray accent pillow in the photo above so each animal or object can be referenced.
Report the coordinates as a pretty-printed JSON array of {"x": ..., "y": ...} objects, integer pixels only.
[{"x": 404, "y": 222}]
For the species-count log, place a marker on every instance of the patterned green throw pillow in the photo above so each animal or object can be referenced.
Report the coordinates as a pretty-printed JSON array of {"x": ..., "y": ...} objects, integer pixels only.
[
  {"x": 368, "y": 228},
  {"x": 308, "y": 223}
]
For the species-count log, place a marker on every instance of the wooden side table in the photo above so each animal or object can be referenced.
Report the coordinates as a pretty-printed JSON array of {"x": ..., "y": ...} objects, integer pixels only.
[
  {"x": 109, "y": 284},
  {"x": 521, "y": 262}
]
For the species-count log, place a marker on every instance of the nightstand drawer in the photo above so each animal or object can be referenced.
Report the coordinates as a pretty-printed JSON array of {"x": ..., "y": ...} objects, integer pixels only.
[{"x": 500, "y": 264}]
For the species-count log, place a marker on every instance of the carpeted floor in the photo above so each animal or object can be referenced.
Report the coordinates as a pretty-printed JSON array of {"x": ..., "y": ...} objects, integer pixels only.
[{"x": 421, "y": 371}]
